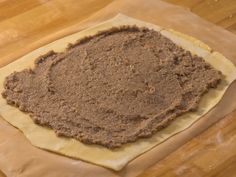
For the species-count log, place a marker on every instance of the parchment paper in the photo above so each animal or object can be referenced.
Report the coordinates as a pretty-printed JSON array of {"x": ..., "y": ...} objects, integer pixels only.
[{"x": 65, "y": 166}]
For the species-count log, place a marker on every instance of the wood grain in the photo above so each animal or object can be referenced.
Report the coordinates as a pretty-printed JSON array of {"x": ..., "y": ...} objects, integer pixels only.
[
  {"x": 220, "y": 12},
  {"x": 210, "y": 154},
  {"x": 23, "y": 23}
]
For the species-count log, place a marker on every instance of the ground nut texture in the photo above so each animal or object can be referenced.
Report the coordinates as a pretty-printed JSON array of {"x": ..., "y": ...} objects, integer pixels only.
[{"x": 112, "y": 88}]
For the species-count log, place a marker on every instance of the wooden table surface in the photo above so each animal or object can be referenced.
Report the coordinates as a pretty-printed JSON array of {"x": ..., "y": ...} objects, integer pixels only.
[{"x": 213, "y": 153}]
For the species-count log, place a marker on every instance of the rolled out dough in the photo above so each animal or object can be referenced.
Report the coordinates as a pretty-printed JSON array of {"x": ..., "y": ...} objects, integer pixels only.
[{"x": 114, "y": 159}]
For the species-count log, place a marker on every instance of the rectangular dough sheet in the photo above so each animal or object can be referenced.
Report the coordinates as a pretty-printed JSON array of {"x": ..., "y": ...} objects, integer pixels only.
[{"x": 114, "y": 159}]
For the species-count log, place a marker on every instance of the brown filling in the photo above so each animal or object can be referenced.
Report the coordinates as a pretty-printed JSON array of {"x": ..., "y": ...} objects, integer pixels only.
[{"x": 112, "y": 88}]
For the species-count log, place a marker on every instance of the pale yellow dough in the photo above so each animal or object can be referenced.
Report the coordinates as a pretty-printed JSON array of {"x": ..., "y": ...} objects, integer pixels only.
[{"x": 114, "y": 159}]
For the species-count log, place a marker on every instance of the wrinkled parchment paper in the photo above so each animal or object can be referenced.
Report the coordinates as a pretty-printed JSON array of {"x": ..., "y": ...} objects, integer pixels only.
[{"x": 30, "y": 156}]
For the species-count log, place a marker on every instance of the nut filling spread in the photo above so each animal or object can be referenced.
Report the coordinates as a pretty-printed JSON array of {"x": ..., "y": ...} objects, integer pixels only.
[{"x": 112, "y": 88}]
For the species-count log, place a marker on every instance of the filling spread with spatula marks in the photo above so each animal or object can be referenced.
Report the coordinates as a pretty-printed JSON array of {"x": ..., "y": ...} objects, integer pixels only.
[{"x": 112, "y": 88}]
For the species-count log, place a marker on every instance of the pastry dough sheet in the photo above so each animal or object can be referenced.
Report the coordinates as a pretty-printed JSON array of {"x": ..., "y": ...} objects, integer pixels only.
[{"x": 114, "y": 159}]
